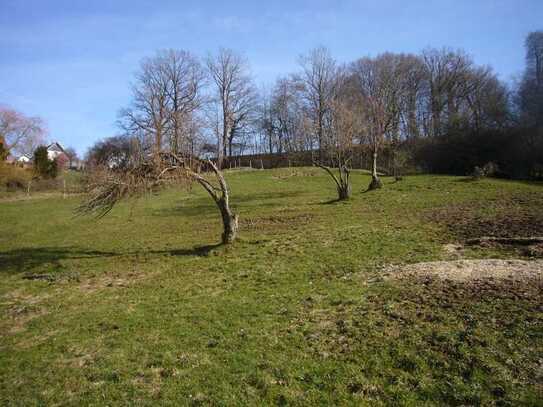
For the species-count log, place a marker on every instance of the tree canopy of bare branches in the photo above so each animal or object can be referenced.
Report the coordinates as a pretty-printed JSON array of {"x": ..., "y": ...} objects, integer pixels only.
[
  {"x": 153, "y": 153},
  {"x": 167, "y": 92},
  {"x": 21, "y": 134},
  {"x": 110, "y": 187},
  {"x": 235, "y": 96},
  {"x": 318, "y": 81}
]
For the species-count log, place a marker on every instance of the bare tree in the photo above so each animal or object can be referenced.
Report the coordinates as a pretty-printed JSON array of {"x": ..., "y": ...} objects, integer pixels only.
[
  {"x": 378, "y": 83},
  {"x": 167, "y": 95},
  {"x": 186, "y": 79},
  {"x": 486, "y": 100},
  {"x": 117, "y": 153},
  {"x": 288, "y": 110},
  {"x": 531, "y": 87},
  {"x": 413, "y": 87},
  {"x": 267, "y": 123},
  {"x": 319, "y": 74},
  {"x": 167, "y": 91},
  {"x": 110, "y": 187},
  {"x": 446, "y": 73},
  {"x": 21, "y": 134},
  {"x": 344, "y": 124},
  {"x": 235, "y": 95}
]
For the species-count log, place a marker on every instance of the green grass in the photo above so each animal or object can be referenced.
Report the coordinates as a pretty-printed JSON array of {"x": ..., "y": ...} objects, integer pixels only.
[{"x": 142, "y": 308}]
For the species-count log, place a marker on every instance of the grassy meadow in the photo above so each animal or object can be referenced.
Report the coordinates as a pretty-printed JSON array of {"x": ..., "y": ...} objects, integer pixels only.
[{"x": 143, "y": 307}]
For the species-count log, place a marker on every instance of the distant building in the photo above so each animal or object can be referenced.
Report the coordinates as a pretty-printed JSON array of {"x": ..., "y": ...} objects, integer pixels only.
[
  {"x": 23, "y": 159},
  {"x": 54, "y": 150}
]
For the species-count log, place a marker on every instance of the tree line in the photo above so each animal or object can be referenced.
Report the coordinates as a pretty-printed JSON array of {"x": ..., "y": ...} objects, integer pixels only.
[{"x": 437, "y": 110}]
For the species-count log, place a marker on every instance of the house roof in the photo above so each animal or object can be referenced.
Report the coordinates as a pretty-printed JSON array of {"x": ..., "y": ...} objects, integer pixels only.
[{"x": 55, "y": 147}]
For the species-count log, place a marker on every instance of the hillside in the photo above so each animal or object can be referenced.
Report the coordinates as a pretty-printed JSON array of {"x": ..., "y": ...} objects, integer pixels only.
[{"x": 309, "y": 307}]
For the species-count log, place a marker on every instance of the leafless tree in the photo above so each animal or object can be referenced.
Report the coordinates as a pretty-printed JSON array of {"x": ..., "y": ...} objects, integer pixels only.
[
  {"x": 21, "y": 134},
  {"x": 486, "y": 100},
  {"x": 345, "y": 123},
  {"x": 378, "y": 82},
  {"x": 235, "y": 95},
  {"x": 446, "y": 73},
  {"x": 531, "y": 87},
  {"x": 109, "y": 187},
  {"x": 167, "y": 91},
  {"x": 413, "y": 88},
  {"x": 267, "y": 122},
  {"x": 167, "y": 95},
  {"x": 288, "y": 110},
  {"x": 318, "y": 77}
]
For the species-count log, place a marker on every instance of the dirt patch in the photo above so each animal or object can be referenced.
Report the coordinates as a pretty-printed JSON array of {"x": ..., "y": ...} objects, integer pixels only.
[
  {"x": 118, "y": 281},
  {"x": 506, "y": 216},
  {"x": 19, "y": 316},
  {"x": 276, "y": 221},
  {"x": 294, "y": 173},
  {"x": 470, "y": 270}
]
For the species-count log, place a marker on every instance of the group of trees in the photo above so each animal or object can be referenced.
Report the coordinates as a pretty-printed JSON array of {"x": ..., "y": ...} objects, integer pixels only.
[
  {"x": 420, "y": 102},
  {"x": 394, "y": 97},
  {"x": 186, "y": 106},
  {"x": 430, "y": 105}
]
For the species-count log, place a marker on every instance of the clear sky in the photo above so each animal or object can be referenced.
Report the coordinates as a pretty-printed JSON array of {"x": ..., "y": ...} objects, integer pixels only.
[{"x": 72, "y": 61}]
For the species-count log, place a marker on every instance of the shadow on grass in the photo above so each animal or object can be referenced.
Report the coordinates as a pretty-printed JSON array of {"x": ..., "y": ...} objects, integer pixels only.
[
  {"x": 50, "y": 259},
  {"x": 195, "y": 251}
]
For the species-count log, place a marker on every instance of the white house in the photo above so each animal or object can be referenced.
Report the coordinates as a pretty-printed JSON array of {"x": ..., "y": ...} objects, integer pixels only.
[
  {"x": 23, "y": 159},
  {"x": 54, "y": 150}
]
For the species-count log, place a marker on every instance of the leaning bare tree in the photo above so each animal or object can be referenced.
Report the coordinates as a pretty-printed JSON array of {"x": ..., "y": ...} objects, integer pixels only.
[
  {"x": 165, "y": 97},
  {"x": 110, "y": 187}
]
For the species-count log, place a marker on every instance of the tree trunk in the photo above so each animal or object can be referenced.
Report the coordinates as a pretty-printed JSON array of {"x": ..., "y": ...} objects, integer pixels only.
[
  {"x": 221, "y": 197},
  {"x": 375, "y": 181},
  {"x": 344, "y": 192},
  {"x": 225, "y": 137},
  {"x": 343, "y": 184},
  {"x": 229, "y": 221}
]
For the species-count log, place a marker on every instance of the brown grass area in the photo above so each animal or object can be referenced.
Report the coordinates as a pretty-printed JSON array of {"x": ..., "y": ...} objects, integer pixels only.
[
  {"x": 276, "y": 221},
  {"x": 507, "y": 216}
]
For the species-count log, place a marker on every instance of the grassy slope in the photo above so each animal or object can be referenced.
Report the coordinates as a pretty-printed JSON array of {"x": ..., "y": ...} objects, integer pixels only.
[{"x": 135, "y": 306}]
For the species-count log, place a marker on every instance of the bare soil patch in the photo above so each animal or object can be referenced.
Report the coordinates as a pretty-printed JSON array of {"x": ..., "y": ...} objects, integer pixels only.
[
  {"x": 472, "y": 270},
  {"x": 276, "y": 221},
  {"x": 507, "y": 216}
]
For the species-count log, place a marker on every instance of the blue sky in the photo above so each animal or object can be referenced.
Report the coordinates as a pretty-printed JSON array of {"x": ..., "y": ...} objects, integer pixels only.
[{"x": 72, "y": 61}]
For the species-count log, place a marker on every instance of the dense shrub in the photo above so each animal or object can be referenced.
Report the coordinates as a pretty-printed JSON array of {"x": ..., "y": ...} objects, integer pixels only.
[
  {"x": 14, "y": 178},
  {"x": 43, "y": 166},
  {"x": 513, "y": 153}
]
